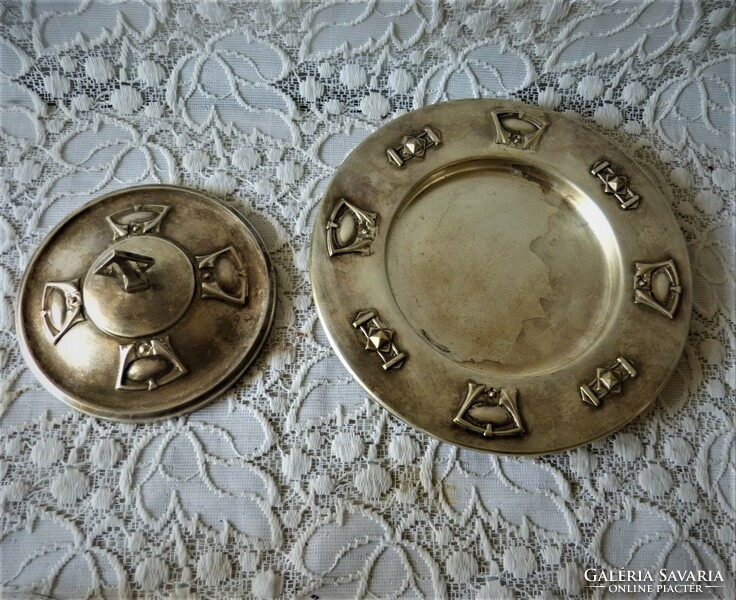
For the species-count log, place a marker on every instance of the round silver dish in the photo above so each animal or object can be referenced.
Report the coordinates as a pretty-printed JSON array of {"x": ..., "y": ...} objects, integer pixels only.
[{"x": 501, "y": 277}]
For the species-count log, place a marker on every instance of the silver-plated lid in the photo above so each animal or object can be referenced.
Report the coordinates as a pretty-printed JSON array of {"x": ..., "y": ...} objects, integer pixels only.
[
  {"x": 501, "y": 277},
  {"x": 146, "y": 303}
]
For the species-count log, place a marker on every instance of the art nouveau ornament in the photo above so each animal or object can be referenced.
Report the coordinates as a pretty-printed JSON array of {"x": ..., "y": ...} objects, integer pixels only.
[
  {"x": 62, "y": 307},
  {"x": 519, "y": 128},
  {"x": 498, "y": 265},
  {"x": 414, "y": 145},
  {"x": 379, "y": 339},
  {"x": 351, "y": 229},
  {"x": 615, "y": 184},
  {"x": 175, "y": 303},
  {"x": 608, "y": 380},
  {"x": 490, "y": 411},
  {"x": 657, "y": 285}
]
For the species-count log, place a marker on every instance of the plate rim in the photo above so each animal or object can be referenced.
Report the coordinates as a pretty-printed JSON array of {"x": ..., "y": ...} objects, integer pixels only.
[{"x": 318, "y": 257}]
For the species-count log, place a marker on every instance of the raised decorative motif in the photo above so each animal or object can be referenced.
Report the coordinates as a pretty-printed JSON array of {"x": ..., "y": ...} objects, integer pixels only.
[
  {"x": 379, "y": 339},
  {"x": 137, "y": 220},
  {"x": 61, "y": 307},
  {"x": 657, "y": 285},
  {"x": 222, "y": 275},
  {"x": 350, "y": 229},
  {"x": 128, "y": 269},
  {"x": 608, "y": 380},
  {"x": 615, "y": 184},
  {"x": 147, "y": 365},
  {"x": 490, "y": 411},
  {"x": 414, "y": 145},
  {"x": 518, "y": 129}
]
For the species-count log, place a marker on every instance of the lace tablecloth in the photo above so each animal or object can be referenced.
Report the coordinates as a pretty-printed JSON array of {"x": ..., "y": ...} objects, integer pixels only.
[{"x": 295, "y": 484}]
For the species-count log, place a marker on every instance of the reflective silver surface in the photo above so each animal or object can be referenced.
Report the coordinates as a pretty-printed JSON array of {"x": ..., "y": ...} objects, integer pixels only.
[
  {"x": 523, "y": 283},
  {"x": 146, "y": 303}
]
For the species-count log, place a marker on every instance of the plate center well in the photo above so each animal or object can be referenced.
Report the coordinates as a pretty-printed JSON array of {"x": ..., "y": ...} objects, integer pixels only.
[{"x": 501, "y": 269}]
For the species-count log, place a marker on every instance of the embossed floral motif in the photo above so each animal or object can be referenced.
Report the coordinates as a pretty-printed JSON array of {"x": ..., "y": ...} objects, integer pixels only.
[
  {"x": 708, "y": 87},
  {"x": 715, "y": 465},
  {"x": 368, "y": 557},
  {"x": 354, "y": 27},
  {"x": 645, "y": 538},
  {"x": 613, "y": 32},
  {"x": 98, "y": 153},
  {"x": 479, "y": 70},
  {"x": 467, "y": 482},
  {"x": 72, "y": 565},
  {"x": 91, "y": 24},
  {"x": 203, "y": 471},
  {"x": 229, "y": 82},
  {"x": 320, "y": 400}
]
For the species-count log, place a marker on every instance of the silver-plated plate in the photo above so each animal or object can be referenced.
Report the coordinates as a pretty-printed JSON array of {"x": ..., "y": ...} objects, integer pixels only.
[{"x": 501, "y": 277}]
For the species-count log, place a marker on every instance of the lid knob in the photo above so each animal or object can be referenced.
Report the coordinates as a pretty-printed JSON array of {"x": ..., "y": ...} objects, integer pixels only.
[{"x": 128, "y": 268}]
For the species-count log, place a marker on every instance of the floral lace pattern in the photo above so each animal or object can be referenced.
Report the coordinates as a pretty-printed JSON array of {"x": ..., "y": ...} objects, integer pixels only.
[{"x": 295, "y": 484}]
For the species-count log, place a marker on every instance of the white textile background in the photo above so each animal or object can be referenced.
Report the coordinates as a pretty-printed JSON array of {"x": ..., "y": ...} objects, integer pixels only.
[{"x": 295, "y": 484}]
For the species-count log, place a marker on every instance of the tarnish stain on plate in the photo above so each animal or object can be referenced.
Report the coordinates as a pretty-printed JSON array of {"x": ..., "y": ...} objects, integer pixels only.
[{"x": 504, "y": 259}]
